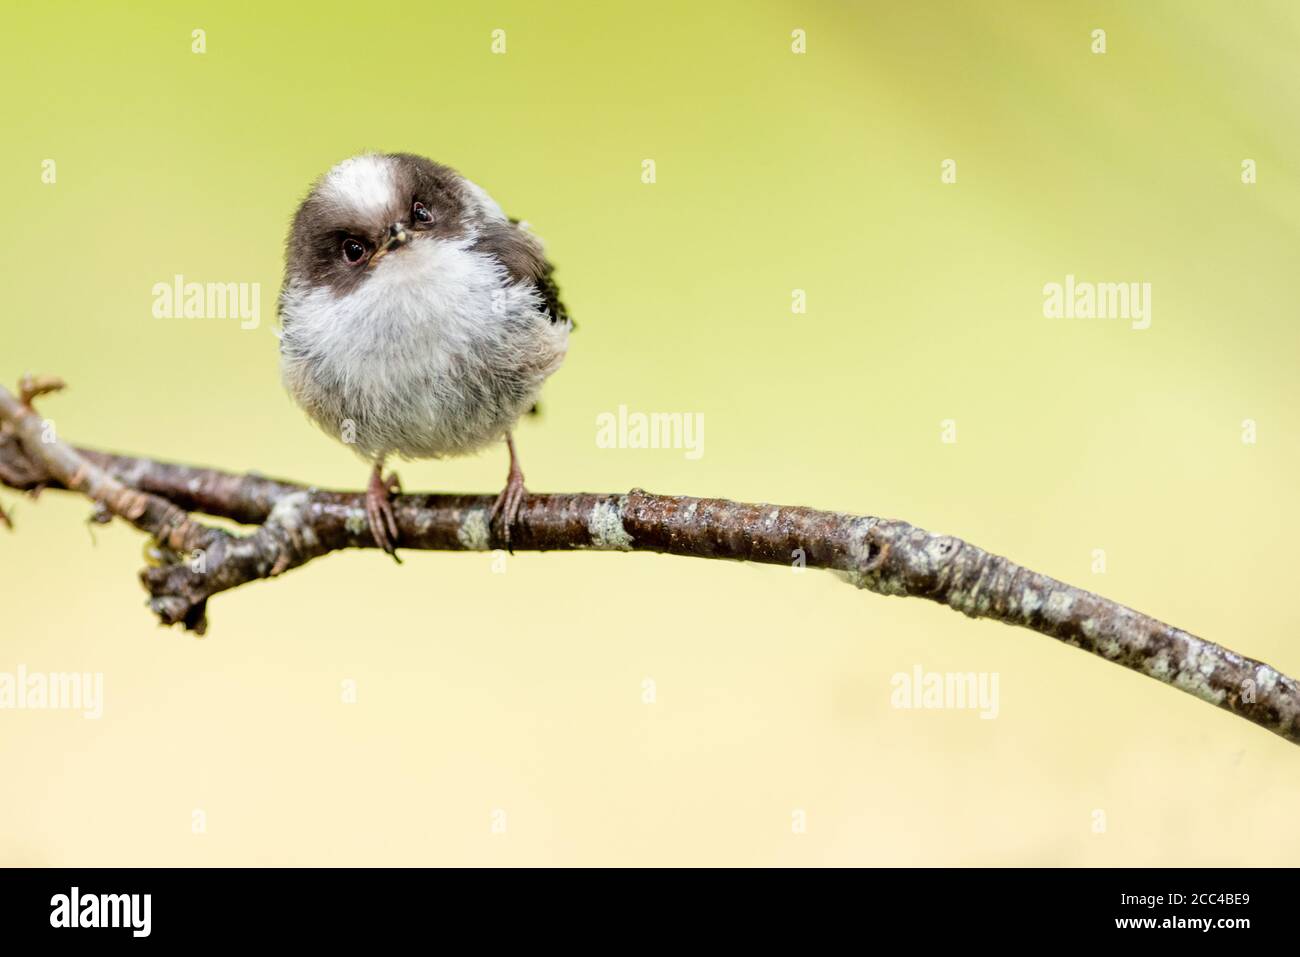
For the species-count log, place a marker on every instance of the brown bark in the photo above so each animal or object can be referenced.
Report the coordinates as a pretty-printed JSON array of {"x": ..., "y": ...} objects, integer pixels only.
[{"x": 296, "y": 524}]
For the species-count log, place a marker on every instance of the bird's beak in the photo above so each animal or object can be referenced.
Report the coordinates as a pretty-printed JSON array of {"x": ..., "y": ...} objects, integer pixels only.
[{"x": 397, "y": 237}]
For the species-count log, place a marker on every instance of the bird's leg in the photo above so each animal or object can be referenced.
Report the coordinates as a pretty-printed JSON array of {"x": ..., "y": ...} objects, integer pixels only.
[
  {"x": 379, "y": 510},
  {"x": 507, "y": 504}
]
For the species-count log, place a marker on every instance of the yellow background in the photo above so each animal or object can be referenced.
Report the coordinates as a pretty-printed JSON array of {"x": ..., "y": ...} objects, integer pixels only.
[{"x": 522, "y": 691}]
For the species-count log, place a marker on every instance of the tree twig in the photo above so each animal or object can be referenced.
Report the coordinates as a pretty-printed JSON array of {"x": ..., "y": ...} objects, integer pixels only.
[{"x": 296, "y": 524}]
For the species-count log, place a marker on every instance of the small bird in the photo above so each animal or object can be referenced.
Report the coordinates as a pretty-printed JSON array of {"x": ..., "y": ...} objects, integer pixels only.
[{"x": 417, "y": 320}]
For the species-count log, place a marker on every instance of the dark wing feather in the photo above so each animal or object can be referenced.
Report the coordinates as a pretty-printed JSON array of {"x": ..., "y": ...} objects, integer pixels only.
[{"x": 521, "y": 253}]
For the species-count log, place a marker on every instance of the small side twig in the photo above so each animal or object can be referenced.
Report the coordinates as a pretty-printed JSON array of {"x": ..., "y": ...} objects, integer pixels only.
[{"x": 185, "y": 544}]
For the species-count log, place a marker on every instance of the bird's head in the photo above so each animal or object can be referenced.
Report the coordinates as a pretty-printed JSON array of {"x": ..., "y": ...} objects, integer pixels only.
[{"x": 372, "y": 207}]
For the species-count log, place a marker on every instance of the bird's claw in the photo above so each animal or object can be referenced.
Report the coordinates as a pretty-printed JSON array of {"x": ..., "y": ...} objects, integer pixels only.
[
  {"x": 506, "y": 507},
  {"x": 379, "y": 512}
]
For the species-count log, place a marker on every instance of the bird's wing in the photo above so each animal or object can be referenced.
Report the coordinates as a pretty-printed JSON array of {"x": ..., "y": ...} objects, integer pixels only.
[{"x": 521, "y": 253}]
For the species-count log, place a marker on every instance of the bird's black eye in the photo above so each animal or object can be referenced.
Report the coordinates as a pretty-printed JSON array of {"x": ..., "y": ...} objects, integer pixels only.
[
  {"x": 353, "y": 250},
  {"x": 421, "y": 214}
]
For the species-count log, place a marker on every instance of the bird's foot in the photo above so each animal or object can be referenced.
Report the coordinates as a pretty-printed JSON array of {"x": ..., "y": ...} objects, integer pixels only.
[
  {"x": 506, "y": 507},
  {"x": 379, "y": 511}
]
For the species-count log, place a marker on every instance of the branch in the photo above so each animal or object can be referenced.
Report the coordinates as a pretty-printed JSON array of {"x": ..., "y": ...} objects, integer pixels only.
[{"x": 296, "y": 524}]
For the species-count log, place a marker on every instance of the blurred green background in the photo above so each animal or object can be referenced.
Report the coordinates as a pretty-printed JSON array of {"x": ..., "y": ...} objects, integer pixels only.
[{"x": 480, "y": 693}]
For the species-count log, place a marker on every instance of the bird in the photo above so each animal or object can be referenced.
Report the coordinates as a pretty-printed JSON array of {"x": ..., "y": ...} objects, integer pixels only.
[{"x": 417, "y": 320}]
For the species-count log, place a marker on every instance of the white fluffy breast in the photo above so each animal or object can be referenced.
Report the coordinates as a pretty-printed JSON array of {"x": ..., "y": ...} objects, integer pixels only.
[{"x": 435, "y": 353}]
